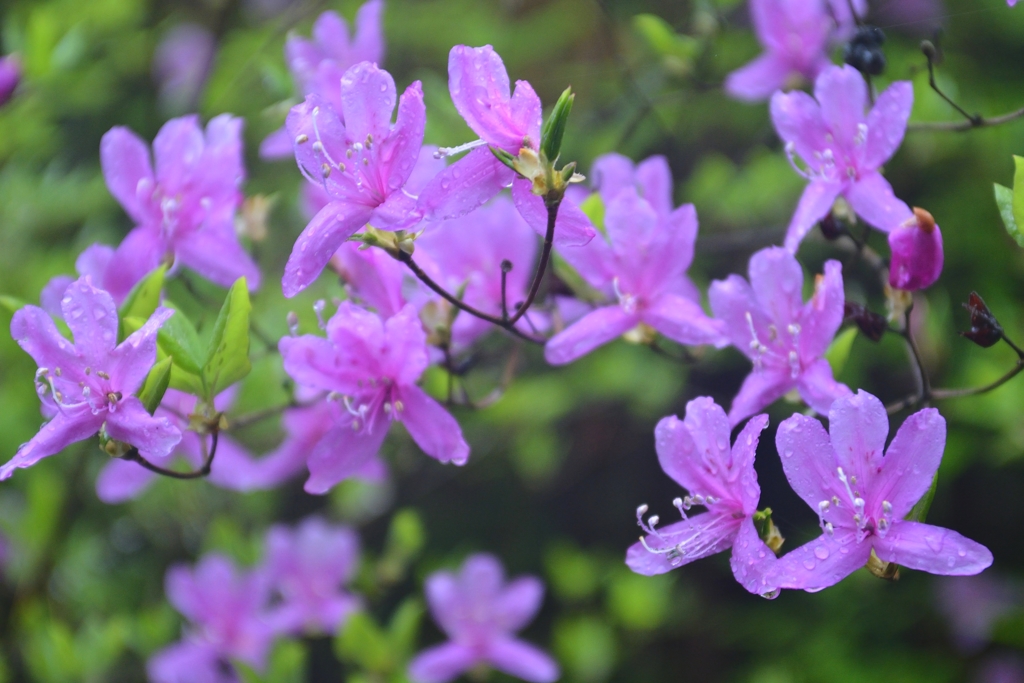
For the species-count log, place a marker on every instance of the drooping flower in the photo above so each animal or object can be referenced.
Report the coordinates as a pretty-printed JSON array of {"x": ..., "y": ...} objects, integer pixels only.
[
  {"x": 786, "y": 339},
  {"x": 361, "y": 160},
  {"x": 308, "y": 566},
  {"x": 227, "y": 609},
  {"x": 10, "y": 76},
  {"x": 233, "y": 466},
  {"x": 842, "y": 148},
  {"x": 318, "y": 65},
  {"x": 695, "y": 452},
  {"x": 185, "y": 210},
  {"x": 795, "y": 35},
  {"x": 480, "y": 613},
  {"x": 181, "y": 65},
  {"x": 642, "y": 268},
  {"x": 862, "y": 497},
  {"x": 917, "y": 255},
  {"x": 371, "y": 366},
  {"x": 88, "y": 386},
  {"x": 479, "y": 86}
]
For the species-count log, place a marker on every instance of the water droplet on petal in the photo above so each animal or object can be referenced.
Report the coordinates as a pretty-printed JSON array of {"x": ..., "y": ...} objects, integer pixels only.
[
  {"x": 809, "y": 563},
  {"x": 821, "y": 552}
]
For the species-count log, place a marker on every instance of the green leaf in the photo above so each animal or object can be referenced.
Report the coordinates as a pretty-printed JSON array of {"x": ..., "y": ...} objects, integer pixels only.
[
  {"x": 593, "y": 207},
  {"x": 1018, "y": 190},
  {"x": 157, "y": 381},
  {"x": 405, "y": 625},
  {"x": 179, "y": 340},
  {"x": 1005, "y": 202},
  {"x": 554, "y": 128},
  {"x": 362, "y": 641},
  {"x": 919, "y": 512},
  {"x": 227, "y": 358},
  {"x": 839, "y": 350},
  {"x": 287, "y": 663},
  {"x": 142, "y": 301}
]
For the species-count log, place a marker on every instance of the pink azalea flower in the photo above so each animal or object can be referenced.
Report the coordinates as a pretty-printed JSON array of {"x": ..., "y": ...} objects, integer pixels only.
[
  {"x": 479, "y": 86},
  {"x": 695, "y": 453},
  {"x": 480, "y": 613},
  {"x": 642, "y": 268},
  {"x": 373, "y": 366},
  {"x": 185, "y": 210},
  {"x": 318, "y": 65},
  {"x": 88, "y": 385},
  {"x": 795, "y": 35},
  {"x": 363, "y": 164},
  {"x": 233, "y": 467},
  {"x": 862, "y": 498},
  {"x": 786, "y": 339},
  {"x": 842, "y": 148},
  {"x": 465, "y": 254},
  {"x": 372, "y": 276},
  {"x": 917, "y": 255},
  {"x": 308, "y": 565},
  {"x": 651, "y": 178},
  {"x": 10, "y": 76},
  {"x": 227, "y": 609}
]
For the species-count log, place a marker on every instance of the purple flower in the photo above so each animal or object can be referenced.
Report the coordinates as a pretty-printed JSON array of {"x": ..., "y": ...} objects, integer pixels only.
[
  {"x": 861, "y": 498},
  {"x": 182, "y": 64},
  {"x": 479, "y": 86},
  {"x": 227, "y": 610},
  {"x": 319, "y": 64},
  {"x": 695, "y": 453},
  {"x": 1011, "y": 3},
  {"x": 363, "y": 164},
  {"x": 373, "y": 277},
  {"x": 642, "y": 268},
  {"x": 480, "y": 613},
  {"x": 233, "y": 467},
  {"x": 185, "y": 211},
  {"x": 308, "y": 566},
  {"x": 846, "y": 13},
  {"x": 466, "y": 254},
  {"x": 10, "y": 75},
  {"x": 88, "y": 385},
  {"x": 94, "y": 262},
  {"x": 917, "y": 255},
  {"x": 795, "y": 35},
  {"x": 651, "y": 178},
  {"x": 785, "y": 338},
  {"x": 842, "y": 148},
  {"x": 371, "y": 366}
]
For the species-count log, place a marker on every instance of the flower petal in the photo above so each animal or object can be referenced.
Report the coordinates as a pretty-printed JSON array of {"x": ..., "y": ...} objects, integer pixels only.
[
  {"x": 695, "y": 451},
  {"x": 92, "y": 317},
  {"x": 400, "y": 152},
  {"x": 155, "y": 437},
  {"x": 131, "y": 361},
  {"x": 808, "y": 460},
  {"x": 522, "y": 660},
  {"x": 858, "y": 427},
  {"x": 432, "y": 427},
  {"x": 480, "y": 90},
  {"x": 887, "y": 123},
  {"x": 757, "y": 80},
  {"x": 368, "y": 41},
  {"x": 823, "y": 562},
  {"x": 341, "y": 453},
  {"x": 368, "y": 99},
  {"x": 798, "y": 121},
  {"x": 777, "y": 281},
  {"x": 406, "y": 346},
  {"x": 124, "y": 158},
  {"x": 572, "y": 227},
  {"x": 519, "y": 602},
  {"x": 683, "y": 321},
  {"x": 188, "y": 661},
  {"x": 466, "y": 185},
  {"x": 443, "y": 595},
  {"x": 911, "y": 462},
  {"x": 178, "y": 150},
  {"x": 843, "y": 96},
  {"x": 441, "y": 663},
  {"x": 822, "y": 316},
  {"x": 732, "y": 300},
  {"x": 277, "y": 145},
  {"x": 335, "y": 223},
  {"x": 818, "y": 388},
  {"x": 932, "y": 549},
  {"x": 316, "y": 362},
  {"x": 753, "y": 562},
  {"x": 654, "y": 177},
  {"x": 589, "y": 332},
  {"x": 873, "y": 200},
  {"x": 120, "y": 481},
  {"x": 610, "y": 174},
  {"x": 138, "y": 255},
  {"x": 64, "y": 429},
  {"x": 815, "y": 203},
  {"x": 36, "y": 334},
  {"x": 759, "y": 390},
  {"x": 697, "y": 537},
  {"x": 216, "y": 254}
]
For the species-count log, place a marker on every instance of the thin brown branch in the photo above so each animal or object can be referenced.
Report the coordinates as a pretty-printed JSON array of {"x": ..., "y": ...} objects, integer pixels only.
[{"x": 134, "y": 456}]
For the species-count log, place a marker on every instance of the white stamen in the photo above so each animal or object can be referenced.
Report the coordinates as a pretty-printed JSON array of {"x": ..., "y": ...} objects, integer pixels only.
[{"x": 443, "y": 152}]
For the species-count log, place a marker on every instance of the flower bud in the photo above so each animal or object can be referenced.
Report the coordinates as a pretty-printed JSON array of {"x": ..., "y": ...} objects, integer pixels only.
[
  {"x": 10, "y": 74},
  {"x": 872, "y": 324},
  {"x": 554, "y": 128},
  {"x": 985, "y": 329},
  {"x": 916, "y": 253}
]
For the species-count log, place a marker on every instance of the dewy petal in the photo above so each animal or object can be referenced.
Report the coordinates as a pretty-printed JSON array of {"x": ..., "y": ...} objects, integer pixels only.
[
  {"x": 480, "y": 90},
  {"x": 124, "y": 158},
  {"x": 53, "y": 292},
  {"x": 815, "y": 203},
  {"x": 133, "y": 358},
  {"x": 155, "y": 437},
  {"x": 731, "y": 300},
  {"x": 92, "y": 317},
  {"x": 178, "y": 149},
  {"x": 342, "y": 453},
  {"x": 932, "y": 549},
  {"x": 695, "y": 451},
  {"x": 743, "y": 451},
  {"x": 401, "y": 151},
  {"x": 406, "y": 346},
  {"x": 757, "y": 80},
  {"x": 700, "y": 536},
  {"x": 66, "y": 427},
  {"x": 777, "y": 280},
  {"x": 464, "y": 186},
  {"x": 589, "y": 332},
  {"x": 797, "y": 119},
  {"x": 121, "y": 480},
  {"x": 819, "y": 388},
  {"x": 335, "y": 223},
  {"x": 519, "y": 602},
  {"x": 216, "y": 255},
  {"x": 843, "y": 96},
  {"x": 137, "y": 255},
  {"x": 522, "y": 660},
  {"x": 822, "y": 316},
  {"x": 441, "y": 663},
  {"x": 683, "y": 321},
  {"x": 753, "y": 562},
  {"x": 631, "y": 224},
  {"x": 432, "y": 427},
  {"x": 858, "y": 427},
  {"x": 525, "y": 110},
  {"x": 759, "y": 390},
  {"x": 911, "y": 462},
  {"x": 316, "y": 362},
  {"x": 823, "y": 562},
  {"x": 887, "y": 123},
  {"x": 36, "y": 334},
  {"x": 873, "y": 200},
  {"x": 808, "y": 460},
  {"x": 368, "y": 98},
  {"x": 572, "y": 227}
]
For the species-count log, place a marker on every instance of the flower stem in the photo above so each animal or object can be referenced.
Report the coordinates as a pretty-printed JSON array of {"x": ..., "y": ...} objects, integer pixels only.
[
  {"x": 134, "y": 456},
  {"x": 545, "y": 256}
]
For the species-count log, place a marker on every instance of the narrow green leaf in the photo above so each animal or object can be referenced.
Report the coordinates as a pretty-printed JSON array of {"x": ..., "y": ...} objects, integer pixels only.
[
  {"x": 157, "y": 381},
  {"x": 554, "y": 128},
  {"x": 1005, "y": 202},
  {"x": 404, "y": 627},
  {"x": 919, "y": 512},
  {"x": 142, "y": 301},
  {"x": 227, "y": 357},
  {"x": 1018, "y": 191},
  {"x": 839, "y": 350}
]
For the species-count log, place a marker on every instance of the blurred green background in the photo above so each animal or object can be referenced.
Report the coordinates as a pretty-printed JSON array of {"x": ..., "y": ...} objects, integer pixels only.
[{"x": 561, "y": 462}]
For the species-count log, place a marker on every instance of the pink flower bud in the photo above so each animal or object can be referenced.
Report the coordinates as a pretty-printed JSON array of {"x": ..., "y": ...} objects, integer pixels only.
[
  {"x": 916, "y": 252},
  {"x": 10, "y": 74}
]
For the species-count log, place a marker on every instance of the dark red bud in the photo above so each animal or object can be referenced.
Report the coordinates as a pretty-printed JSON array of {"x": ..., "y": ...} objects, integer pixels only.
[
  {"x": 832, "y": 228},
  {"x": 985, "y": 329},
  {"x": 872, "y": 324}
]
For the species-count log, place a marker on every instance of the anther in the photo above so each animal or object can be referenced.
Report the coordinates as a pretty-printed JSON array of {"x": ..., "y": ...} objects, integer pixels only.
[
  {"x": 887, "y": 507},
  {"x": 88, "y": 371},
  {"x": 102, "y": 375},
  {"x": 318, "y": 147},
  {"x": 56, "y": 371},
  {"x": 325, "y": 170},
  {"x": 301, "y": 139},
  {"x": 399, "y": 406}
]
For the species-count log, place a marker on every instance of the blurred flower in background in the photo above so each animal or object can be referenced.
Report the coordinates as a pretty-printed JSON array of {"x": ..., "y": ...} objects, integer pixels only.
[{"x": 181, "y": 66}]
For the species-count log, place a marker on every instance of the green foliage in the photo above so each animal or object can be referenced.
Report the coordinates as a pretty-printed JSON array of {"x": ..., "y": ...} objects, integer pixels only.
[
  {"x": 382, "y": 653},
  {"x": 155, "y": 386},
  {"x": 179, "y": 340},
  {"x": 839, "y": 350},
  {"x": 144, "y": 298},
  {"x": 587, "y": 647},
  {"x": 287, "y": 664},
  {"x": 227, "y": 356},
  {"x": 1011, "y": 202}
]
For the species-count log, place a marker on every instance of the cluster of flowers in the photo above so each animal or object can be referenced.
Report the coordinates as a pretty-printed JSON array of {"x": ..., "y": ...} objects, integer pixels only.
[{"x": 299, "y": 589}]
